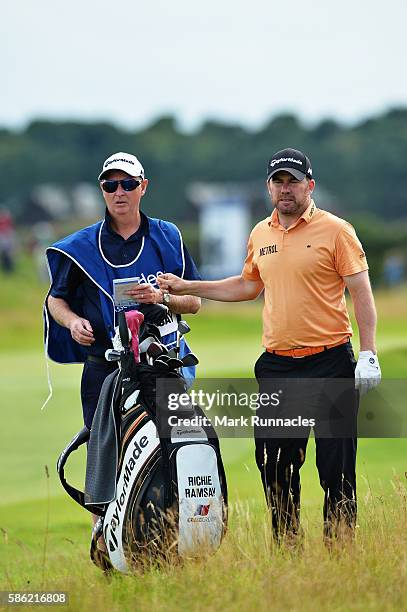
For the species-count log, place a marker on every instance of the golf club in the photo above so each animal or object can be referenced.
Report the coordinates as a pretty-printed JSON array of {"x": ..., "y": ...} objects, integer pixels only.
[
  {"x": 161, "y": 364},
  {"x": 155, "y": 349},
  {"x": 146, "y": 343},
  {"x": 174, "y": 363},
  {"x": 112, "y": 355},
  {"x": 190, "y": 360},
  {"x": 182, "y": 329}
]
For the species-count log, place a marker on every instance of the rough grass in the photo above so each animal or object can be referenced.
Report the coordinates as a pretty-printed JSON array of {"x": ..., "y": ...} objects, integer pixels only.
[
  {"x": 247, "y": 573},
  {"x": 44, "y": 536}
]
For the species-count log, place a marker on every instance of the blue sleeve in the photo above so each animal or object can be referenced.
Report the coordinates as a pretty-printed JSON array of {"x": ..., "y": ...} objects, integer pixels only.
[
  {"x": 67, "y": 279},
  {"x": 191, "y": 271}
]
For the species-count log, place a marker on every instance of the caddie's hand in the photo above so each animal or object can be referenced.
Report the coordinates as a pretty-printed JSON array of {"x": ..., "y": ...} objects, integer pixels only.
[
  {"x": 173, "y": 284},
  {"x": 81, "y": 331},
  {"x": 368, "y": 373},
  {"x": 144, "y": 293}
]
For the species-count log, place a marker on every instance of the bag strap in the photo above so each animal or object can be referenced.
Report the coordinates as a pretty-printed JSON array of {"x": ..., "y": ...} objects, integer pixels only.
[{"x": 78, "y": 496}]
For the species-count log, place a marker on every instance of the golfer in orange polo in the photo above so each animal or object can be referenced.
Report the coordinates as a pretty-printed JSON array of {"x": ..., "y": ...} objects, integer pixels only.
[{"x": 303, "y": 258}]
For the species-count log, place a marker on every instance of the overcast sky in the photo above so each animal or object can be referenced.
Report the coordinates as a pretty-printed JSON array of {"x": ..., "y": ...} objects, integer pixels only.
[{"x": 130, "y": 61}]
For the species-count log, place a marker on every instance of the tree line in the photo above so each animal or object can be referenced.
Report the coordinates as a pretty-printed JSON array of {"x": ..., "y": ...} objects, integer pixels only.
[{"x": 362, "y": 166}]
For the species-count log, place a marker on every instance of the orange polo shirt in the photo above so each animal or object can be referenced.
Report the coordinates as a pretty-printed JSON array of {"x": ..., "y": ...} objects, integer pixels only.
[{"x": 301, "y": 269}]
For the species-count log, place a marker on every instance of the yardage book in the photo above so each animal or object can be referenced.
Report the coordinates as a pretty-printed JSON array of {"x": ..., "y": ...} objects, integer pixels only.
[{"x": 120, "y": 286}]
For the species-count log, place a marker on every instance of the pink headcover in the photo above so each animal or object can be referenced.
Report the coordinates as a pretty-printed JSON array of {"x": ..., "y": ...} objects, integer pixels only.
[{"x": 134, "y": 319}]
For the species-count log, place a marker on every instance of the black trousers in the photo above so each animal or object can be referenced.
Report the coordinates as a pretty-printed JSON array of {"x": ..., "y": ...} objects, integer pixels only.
[
  {"x": 93, "y": 376},
  {"x": 306, "y": 387}
]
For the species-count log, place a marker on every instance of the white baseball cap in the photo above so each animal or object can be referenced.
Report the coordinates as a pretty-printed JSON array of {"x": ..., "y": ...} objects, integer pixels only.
[{"x": 123, "y": 161}]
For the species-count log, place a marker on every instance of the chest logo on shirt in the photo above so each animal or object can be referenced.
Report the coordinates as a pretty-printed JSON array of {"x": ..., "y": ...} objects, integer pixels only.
[{"x": 267, "y": 250}]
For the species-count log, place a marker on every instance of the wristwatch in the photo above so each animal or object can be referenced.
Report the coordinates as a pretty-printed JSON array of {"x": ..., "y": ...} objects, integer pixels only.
[{"x": 166, "y": 298}]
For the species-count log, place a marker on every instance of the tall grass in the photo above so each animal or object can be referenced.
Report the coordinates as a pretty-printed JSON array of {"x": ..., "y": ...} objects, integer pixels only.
[
  {"x": 249, "y": 572},
  {"x": 44, "y": 539}
]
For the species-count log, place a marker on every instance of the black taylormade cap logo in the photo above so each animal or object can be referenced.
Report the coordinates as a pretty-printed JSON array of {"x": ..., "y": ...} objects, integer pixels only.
[
  {"x": 118, "y": 159},
  {"x": 292, "y": 161}
]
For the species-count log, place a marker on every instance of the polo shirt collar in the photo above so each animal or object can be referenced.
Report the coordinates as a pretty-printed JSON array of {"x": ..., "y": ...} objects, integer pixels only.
[
  {"x": 142, "y": 231},
  {"x": 274, "y": 219},
  {"x": 307, "y": 215}
]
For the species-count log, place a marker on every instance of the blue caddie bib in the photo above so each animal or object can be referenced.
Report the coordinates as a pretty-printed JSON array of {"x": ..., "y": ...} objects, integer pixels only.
[{"x": 161, "y": 251}]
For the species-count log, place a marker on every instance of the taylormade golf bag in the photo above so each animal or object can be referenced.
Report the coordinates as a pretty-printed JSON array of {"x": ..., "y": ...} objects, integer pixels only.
[{"x": 157, "y": 488}]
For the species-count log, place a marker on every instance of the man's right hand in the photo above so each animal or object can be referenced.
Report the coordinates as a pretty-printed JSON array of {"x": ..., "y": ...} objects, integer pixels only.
[
  {"x": 232, "y": 289},
  {"x": 81, "y": 331},
  {"x": 173, "y": 284}
]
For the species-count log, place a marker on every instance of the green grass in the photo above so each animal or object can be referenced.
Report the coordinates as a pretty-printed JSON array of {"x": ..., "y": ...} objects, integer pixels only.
[
  {"x": 246, "y": 573},
  {"x": 44, "y": 535}
]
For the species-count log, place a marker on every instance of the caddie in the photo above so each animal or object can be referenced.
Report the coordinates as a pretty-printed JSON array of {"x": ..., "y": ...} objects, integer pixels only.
[
  {"x": 80, "y": 309},
  {"x": 303, "y": 258}
]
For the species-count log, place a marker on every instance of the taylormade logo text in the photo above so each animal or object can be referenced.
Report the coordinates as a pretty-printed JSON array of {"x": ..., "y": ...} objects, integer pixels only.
[
  {"x": 135, "y": 460},
  {"x": 118, "y": 159},
  {"x": 285, "y": 159}
]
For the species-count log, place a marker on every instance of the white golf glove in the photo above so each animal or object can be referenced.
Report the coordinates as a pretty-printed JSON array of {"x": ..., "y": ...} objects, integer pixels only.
[{"x": 368, "y": 373}]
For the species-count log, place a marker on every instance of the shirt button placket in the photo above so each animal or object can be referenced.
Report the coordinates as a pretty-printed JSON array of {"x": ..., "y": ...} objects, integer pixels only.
[{"x": 283, "y": 234}]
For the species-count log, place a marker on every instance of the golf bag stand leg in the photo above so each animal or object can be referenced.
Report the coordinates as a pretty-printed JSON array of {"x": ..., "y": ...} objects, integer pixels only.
[{"x": 99, "y": 557}]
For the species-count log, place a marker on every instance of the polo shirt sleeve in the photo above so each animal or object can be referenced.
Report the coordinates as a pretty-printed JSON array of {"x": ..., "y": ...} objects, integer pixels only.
[
  {"x": 250, "y": 270},
  {"x": 349, "y": 255},
  {"x": 67, "y": 279}
]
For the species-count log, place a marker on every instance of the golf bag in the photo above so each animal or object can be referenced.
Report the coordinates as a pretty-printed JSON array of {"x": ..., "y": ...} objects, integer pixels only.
[{"x": 157, "y": 488}]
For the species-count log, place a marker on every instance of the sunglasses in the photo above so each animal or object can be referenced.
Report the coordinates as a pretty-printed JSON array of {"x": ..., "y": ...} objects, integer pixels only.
[{"x": 126, "y": 184}]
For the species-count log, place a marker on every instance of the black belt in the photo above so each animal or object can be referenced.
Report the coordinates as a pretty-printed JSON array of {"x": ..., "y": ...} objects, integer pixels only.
[{"x": 95, "y": 359}]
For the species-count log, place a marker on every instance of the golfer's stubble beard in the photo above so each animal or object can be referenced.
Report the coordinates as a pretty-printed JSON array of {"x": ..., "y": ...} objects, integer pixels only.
[{"x": 295, "y": 207}]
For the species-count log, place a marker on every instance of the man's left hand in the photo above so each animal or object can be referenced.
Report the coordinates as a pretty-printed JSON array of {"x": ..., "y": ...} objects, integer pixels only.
[
  {"x": 368, "y": 373},
  {"x": 145, "y": 293}
]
